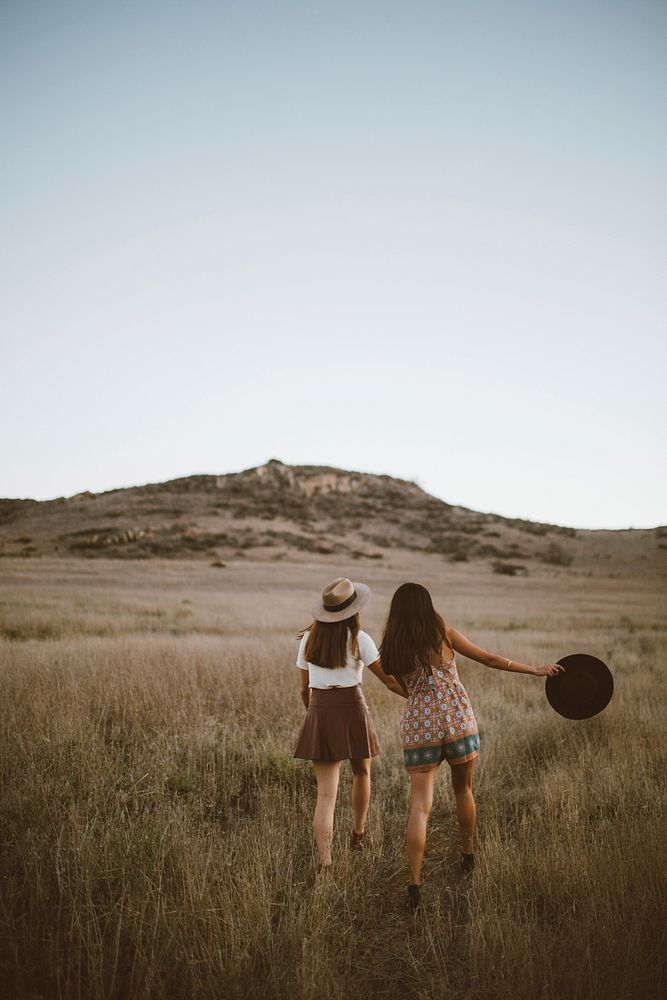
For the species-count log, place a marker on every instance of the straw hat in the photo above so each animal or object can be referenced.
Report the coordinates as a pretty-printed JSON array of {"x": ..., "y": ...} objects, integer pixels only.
[
  {"x": 340, "y": 599},
  {"x": 583, "y": 689}
]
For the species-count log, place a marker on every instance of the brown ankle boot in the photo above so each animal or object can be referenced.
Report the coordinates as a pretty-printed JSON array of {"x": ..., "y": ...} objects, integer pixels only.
[{"x": 357, "y": 842}]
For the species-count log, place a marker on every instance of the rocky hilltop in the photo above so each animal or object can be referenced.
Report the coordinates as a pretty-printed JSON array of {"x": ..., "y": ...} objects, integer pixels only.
[{"x": 276, "y": 510}]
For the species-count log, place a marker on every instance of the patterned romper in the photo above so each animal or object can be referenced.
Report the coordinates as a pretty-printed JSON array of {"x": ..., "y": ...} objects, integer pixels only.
[{"x": 438, "y": 722}]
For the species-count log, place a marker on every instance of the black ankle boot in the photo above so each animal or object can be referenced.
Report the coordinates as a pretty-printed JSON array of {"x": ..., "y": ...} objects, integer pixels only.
[
  {"x": 414, "y": 899},
  {"x": 467, "y": 863}
]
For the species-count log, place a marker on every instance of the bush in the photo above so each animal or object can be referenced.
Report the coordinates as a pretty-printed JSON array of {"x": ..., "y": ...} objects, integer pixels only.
[
  {"x": 508, "y": 569},
  {"x": 555, "y": 555}
]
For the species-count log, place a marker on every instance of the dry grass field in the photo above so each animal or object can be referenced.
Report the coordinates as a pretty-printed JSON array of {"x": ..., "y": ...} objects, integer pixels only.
[{"x": 155, "y": 828}]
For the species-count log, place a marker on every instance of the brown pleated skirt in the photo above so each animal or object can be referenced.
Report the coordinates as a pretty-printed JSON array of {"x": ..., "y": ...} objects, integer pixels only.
[{"x": 338, "y": 726}]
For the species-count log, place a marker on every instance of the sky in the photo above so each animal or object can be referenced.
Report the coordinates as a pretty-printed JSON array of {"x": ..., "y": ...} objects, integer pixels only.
[{"x": 427, "y": 239}]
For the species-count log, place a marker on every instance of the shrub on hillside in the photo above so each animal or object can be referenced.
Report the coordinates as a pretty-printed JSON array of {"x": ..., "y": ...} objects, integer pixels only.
[
  {"x": 509, "y": 569},
  {"x": 555, "y": 555}
]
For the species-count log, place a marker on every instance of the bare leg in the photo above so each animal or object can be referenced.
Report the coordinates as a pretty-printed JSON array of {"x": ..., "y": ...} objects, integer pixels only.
[
  {"x": 327, "y": 773},
  {"x": 465, "y": 803},
  {"x": 421, "y": 801},
  {"x": 361, "y": 792}
]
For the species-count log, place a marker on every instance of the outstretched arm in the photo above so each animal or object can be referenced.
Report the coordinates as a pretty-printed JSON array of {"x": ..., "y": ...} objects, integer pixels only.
[
  {"x": 461, "y": 644},
  {"x": 387, "y": 679}
]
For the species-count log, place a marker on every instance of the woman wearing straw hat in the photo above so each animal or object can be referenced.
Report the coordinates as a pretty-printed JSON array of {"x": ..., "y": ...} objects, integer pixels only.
[{"x": 338, "y": 726}]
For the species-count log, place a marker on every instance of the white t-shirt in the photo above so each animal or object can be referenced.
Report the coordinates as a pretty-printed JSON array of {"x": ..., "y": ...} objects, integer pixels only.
[{"x": 347, "y": 676}]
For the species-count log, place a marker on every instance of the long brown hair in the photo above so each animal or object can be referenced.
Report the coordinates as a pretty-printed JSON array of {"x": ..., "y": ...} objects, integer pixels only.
[
  {"x": 413, "y": 631},
  {"x": 326, "y": 644}
]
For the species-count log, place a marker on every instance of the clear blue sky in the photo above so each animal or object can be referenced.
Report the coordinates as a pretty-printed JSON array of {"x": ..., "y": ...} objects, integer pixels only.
[{"x": 421, "y": 238}]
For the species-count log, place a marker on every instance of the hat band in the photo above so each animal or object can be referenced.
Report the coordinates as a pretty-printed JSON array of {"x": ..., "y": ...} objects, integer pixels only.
[{"x": 345, "y": 604}]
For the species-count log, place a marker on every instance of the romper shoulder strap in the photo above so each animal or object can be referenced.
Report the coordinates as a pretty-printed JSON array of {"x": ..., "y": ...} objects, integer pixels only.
[{"x": 446, "y": 640}]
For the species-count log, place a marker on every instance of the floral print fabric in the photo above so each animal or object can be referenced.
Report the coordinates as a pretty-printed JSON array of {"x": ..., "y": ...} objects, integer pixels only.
[{"x": 438, "y": 721}]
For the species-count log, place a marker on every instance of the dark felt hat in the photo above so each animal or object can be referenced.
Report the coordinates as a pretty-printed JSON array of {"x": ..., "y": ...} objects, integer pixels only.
[{"x": 583, "y": 689}]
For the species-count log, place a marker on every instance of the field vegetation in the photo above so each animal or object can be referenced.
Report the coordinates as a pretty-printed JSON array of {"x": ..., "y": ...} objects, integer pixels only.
[{"x": 156, "y": 837}]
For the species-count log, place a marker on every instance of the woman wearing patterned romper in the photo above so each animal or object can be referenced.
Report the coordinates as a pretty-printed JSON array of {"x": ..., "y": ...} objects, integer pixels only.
[{"x": 438, "y": 721}]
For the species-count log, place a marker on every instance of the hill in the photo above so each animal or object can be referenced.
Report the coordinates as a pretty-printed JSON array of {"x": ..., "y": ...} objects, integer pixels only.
[{"x": 276, "y": 511}]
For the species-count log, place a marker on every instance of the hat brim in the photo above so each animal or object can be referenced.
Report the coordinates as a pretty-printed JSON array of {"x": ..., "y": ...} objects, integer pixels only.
[
  {"x": 320, "y": 613},
  {"x": 583, "y": 689}
]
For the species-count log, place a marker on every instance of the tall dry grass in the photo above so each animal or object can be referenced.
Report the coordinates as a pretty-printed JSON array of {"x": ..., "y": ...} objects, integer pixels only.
[{"x": 156, "y": 837}]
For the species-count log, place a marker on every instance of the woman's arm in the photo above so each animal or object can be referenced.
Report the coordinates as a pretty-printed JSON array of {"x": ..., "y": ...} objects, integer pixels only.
[
  {"x": 387, "y": 679},
  {"x": 461, "y": 644},
  {"x": 304, "y": 689}
]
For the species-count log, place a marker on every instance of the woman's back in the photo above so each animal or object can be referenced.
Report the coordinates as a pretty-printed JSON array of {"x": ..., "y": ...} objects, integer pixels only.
[
  {"x": 445, "y": 662},
  {"x": 346, "y": 676}
]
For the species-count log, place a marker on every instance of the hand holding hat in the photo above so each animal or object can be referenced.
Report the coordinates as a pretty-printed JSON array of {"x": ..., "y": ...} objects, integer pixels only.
[{"x": 550, "y": 670}]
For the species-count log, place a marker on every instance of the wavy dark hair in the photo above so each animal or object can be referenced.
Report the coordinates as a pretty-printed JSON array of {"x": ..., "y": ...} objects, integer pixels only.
[
  {"x": 413, "y": 631},
  {"x": 326, "y": 644}
]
